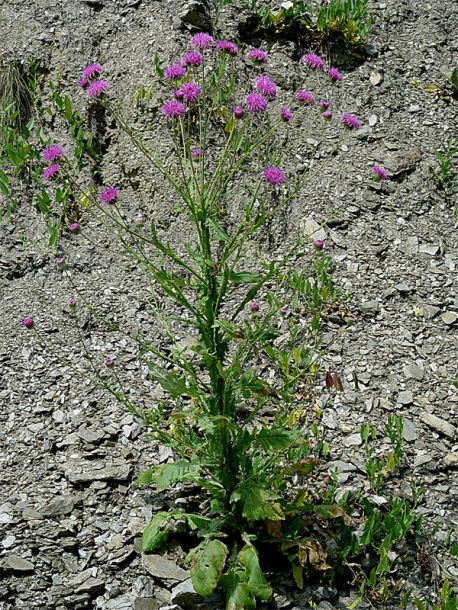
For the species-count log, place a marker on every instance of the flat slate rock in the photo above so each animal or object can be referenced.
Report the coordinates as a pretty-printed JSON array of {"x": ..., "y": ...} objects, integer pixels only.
[
  {"x": 82, "y": 471},
  {"x": 15, "y": 563},
  {"x": 438, "y": 424},
  {"x": 164, "y": 569}
]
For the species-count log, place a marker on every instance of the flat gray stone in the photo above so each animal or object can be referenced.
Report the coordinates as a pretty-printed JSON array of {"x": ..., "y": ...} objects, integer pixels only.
[
  {"x": 311, "y": 228},
  {"x": 451, "y": 459},
  {"x": 430, "y": 249},
  {"x": 413, "y": 371},
  {"x": 354, "y": 440},
  {"x": 429, "y": 311},
  {"x": 409, "y": 432},
  {"x": 15, "y": 563},
  {"x": 91, "y": 585},
  {"x": 371, "y": 306},
  {"x": 62, "y": 505},
  {"x": 438, "y": 424},
  {"x": 405, "y": 397},
  {"x": 449, "y": 317},
  {"x": 81, "y": 471},
  {"x": 184, "y": 594},
  {"x": 164, "y": 569}
]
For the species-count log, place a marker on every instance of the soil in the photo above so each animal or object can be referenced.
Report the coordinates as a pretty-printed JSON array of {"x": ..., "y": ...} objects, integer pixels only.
[{"x": 71, "y": 515}]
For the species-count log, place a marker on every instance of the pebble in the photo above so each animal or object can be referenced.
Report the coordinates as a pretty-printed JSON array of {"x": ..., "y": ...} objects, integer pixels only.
[
  {"x": 409, "y": 432},
  {"x": 375, "y": 78},
  {"x": 449, "y": 317},
  {"x": 164, "y": 569},
  {"x": 405, "y": 397},
  {"x": 371, "y": 306},
  {"x": 413, "y": 371},
  {"x": 184, "y": 595},
  {"x": 373, "y": 120},
  {"x": 451, "y": 459}
]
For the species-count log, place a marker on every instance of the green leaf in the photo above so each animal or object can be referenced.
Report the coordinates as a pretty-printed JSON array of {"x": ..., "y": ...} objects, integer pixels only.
[
  {"x": 239, "y": 597},
  {"x": 68, "y": 108},
  {"x": 275, "y": 438},
  {"x": 331, "y": 511},
  {"x": 207, "y": 563},
  {"x": 258, "y": 503},
  {"x": 157, "y": 65},
  {"x": 165, "y": 475},
  {"x": 4, "y": 183},
  {"x": 171, "y": 382},
  {"x": 155, "y": 533},
  {"x": 298, "y": 572},
  {"x": 218, "y": 229},
  {"x": 243, "y": 277},
  {"x": 257, "y": 583}
]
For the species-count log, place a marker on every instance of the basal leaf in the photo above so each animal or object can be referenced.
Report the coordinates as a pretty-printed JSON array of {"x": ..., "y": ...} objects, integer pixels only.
[
  {"x": 259, "y": 504},
  {"x": 275, "y": 438},
  {"x": 312, "y": 553},
  {"x": 298, "y": 572},
  {"x": 155, "y": 533},
  {"x": 207, "y": 563},
  {"x": 165, "y": 475},
  {"x": 239, "y": 597},
  {"x": 256, "y": 581}
]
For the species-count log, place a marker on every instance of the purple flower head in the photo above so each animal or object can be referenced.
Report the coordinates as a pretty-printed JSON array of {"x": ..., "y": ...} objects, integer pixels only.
[
  {"x": 327, "y": 114},
  {"x": 97, "y": 88},
  {"x": 60, "y": 262},
  {"x": 335, "y": 74},
  {"x": 324, "y": 104},
  {"x": 109, "y": 362},
  {"x": 173, "y": 109},
  {"x": 178, "y": 94},
  {"x": 72, "y": 303},
  {"x": 83, "y": 82},
  {"x": 226, "y": 46},
  {"x": 305, "y": 97},
  {"x": 266, "y": 86},
  {"x": 319, "y": 244},
  {"x": 274, "y": 175},
  {"x": 256, "y": 102},
  {"x": 197, "y": 153},
  {"x": 28, "y": 322},
  {"x": 190, "y": 91},
  {"x": 380, "y": 173},
  {"x": 51, "y": 171},
  {"x": 254, "y": 306},
  {"x": 258, "y": 55},
  {"x": 193, "y": 58},
  {"x": 109, "y": 194},
  {"x": 90, "y": 71},
  {"x": 175, "y": 71},
  {"x": 74, "y": 227},
  {"x": 314, "y": 61},
  {"x": 202, "y": 41},
  {"x": 286, "y": 114},
  {"x": 51, "y": 153},
  {"x": 238, "y": 112},
  {"x": 139, "y": 221},
  {"x": 350, "y": 121}
]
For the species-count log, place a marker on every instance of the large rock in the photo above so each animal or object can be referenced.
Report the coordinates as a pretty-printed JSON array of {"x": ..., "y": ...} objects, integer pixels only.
[
  {"x": 438, "y": 424},
  {"x": 81, "y": 471},
  {"x": 164, "y": 569}
]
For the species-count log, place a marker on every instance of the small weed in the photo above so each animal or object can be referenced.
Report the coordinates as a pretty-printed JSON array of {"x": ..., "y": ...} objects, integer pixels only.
[{"x": 446, "y": 174}]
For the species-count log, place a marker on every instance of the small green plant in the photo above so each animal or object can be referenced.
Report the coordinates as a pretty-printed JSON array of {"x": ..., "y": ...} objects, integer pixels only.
[
  {"x": 446, "y": 599},
  {"x": 347, "y": 18},
  {"x": 447, "y": 173}
]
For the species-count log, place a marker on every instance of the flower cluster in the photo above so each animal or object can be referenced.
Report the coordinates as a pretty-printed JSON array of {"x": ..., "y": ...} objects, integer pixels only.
[
  {"x": 89, "y": 81},
  {"x": 228, "y": 47},
  {"x": 350, "y": 121},
  {"x": 258, "y": 55},
  {"x": 52, "y": 153},
  {"x": 315, "y": 62},
  {"x": 266, "y": 87},
  {"x": 274, "y": 175},
  {"x": 109, "y": 194},
  {"x": 379, "y": 173}
]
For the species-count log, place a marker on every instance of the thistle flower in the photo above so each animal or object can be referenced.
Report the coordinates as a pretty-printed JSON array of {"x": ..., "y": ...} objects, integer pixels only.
[
  {"x": 256, "y": 102},
  {"x": 90, "y": 71},
  {"x": 327, "y": 114},
  {"x": 60, "y": 262},
  {"x": 314, "y": 61},
  {"x": 266, "y": 86},
  {"x": 196, "y": 153},
  {"x": 109, "y": 194},
  {"x": 226, "y": 46},
  {"x": 238, "y": 112},
  {"x": 254, "y": 306},
  {"x": 258, "y": 55},
  {"x": 83, "y": 82},
  {"x": 50, "y": 153},
  {"x": 380, "y": 173},
  {"x": 324, "y": 104},
  {"x": 189, "y": 91},
  {"x": 51, "y": 171},
  {"x": 72, "y": 303},
  {"x": 193, "y": 58},
  {"x": 305, "y": 97},
  {"x": 109, "y": 362},
  {"x": 201, "y": 41},
  {"x": 173, "y": 109},
  {"x": 274, "y": 175},
  {"x": 175, "y": 71},
  {"x": 350, "y": 121},
  {"x": 74, "y": 227},
  {"x": 286, "y": 114},
  {"x": 28, "y": 322},
  {"x": 335, "y": 74},
  {"x": 97, "y": 88},
  {"x": 319, "y": 244}
]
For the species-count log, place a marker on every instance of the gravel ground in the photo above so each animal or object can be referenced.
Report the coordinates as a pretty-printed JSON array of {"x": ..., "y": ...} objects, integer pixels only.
[{"x": 71, "y": 516}]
